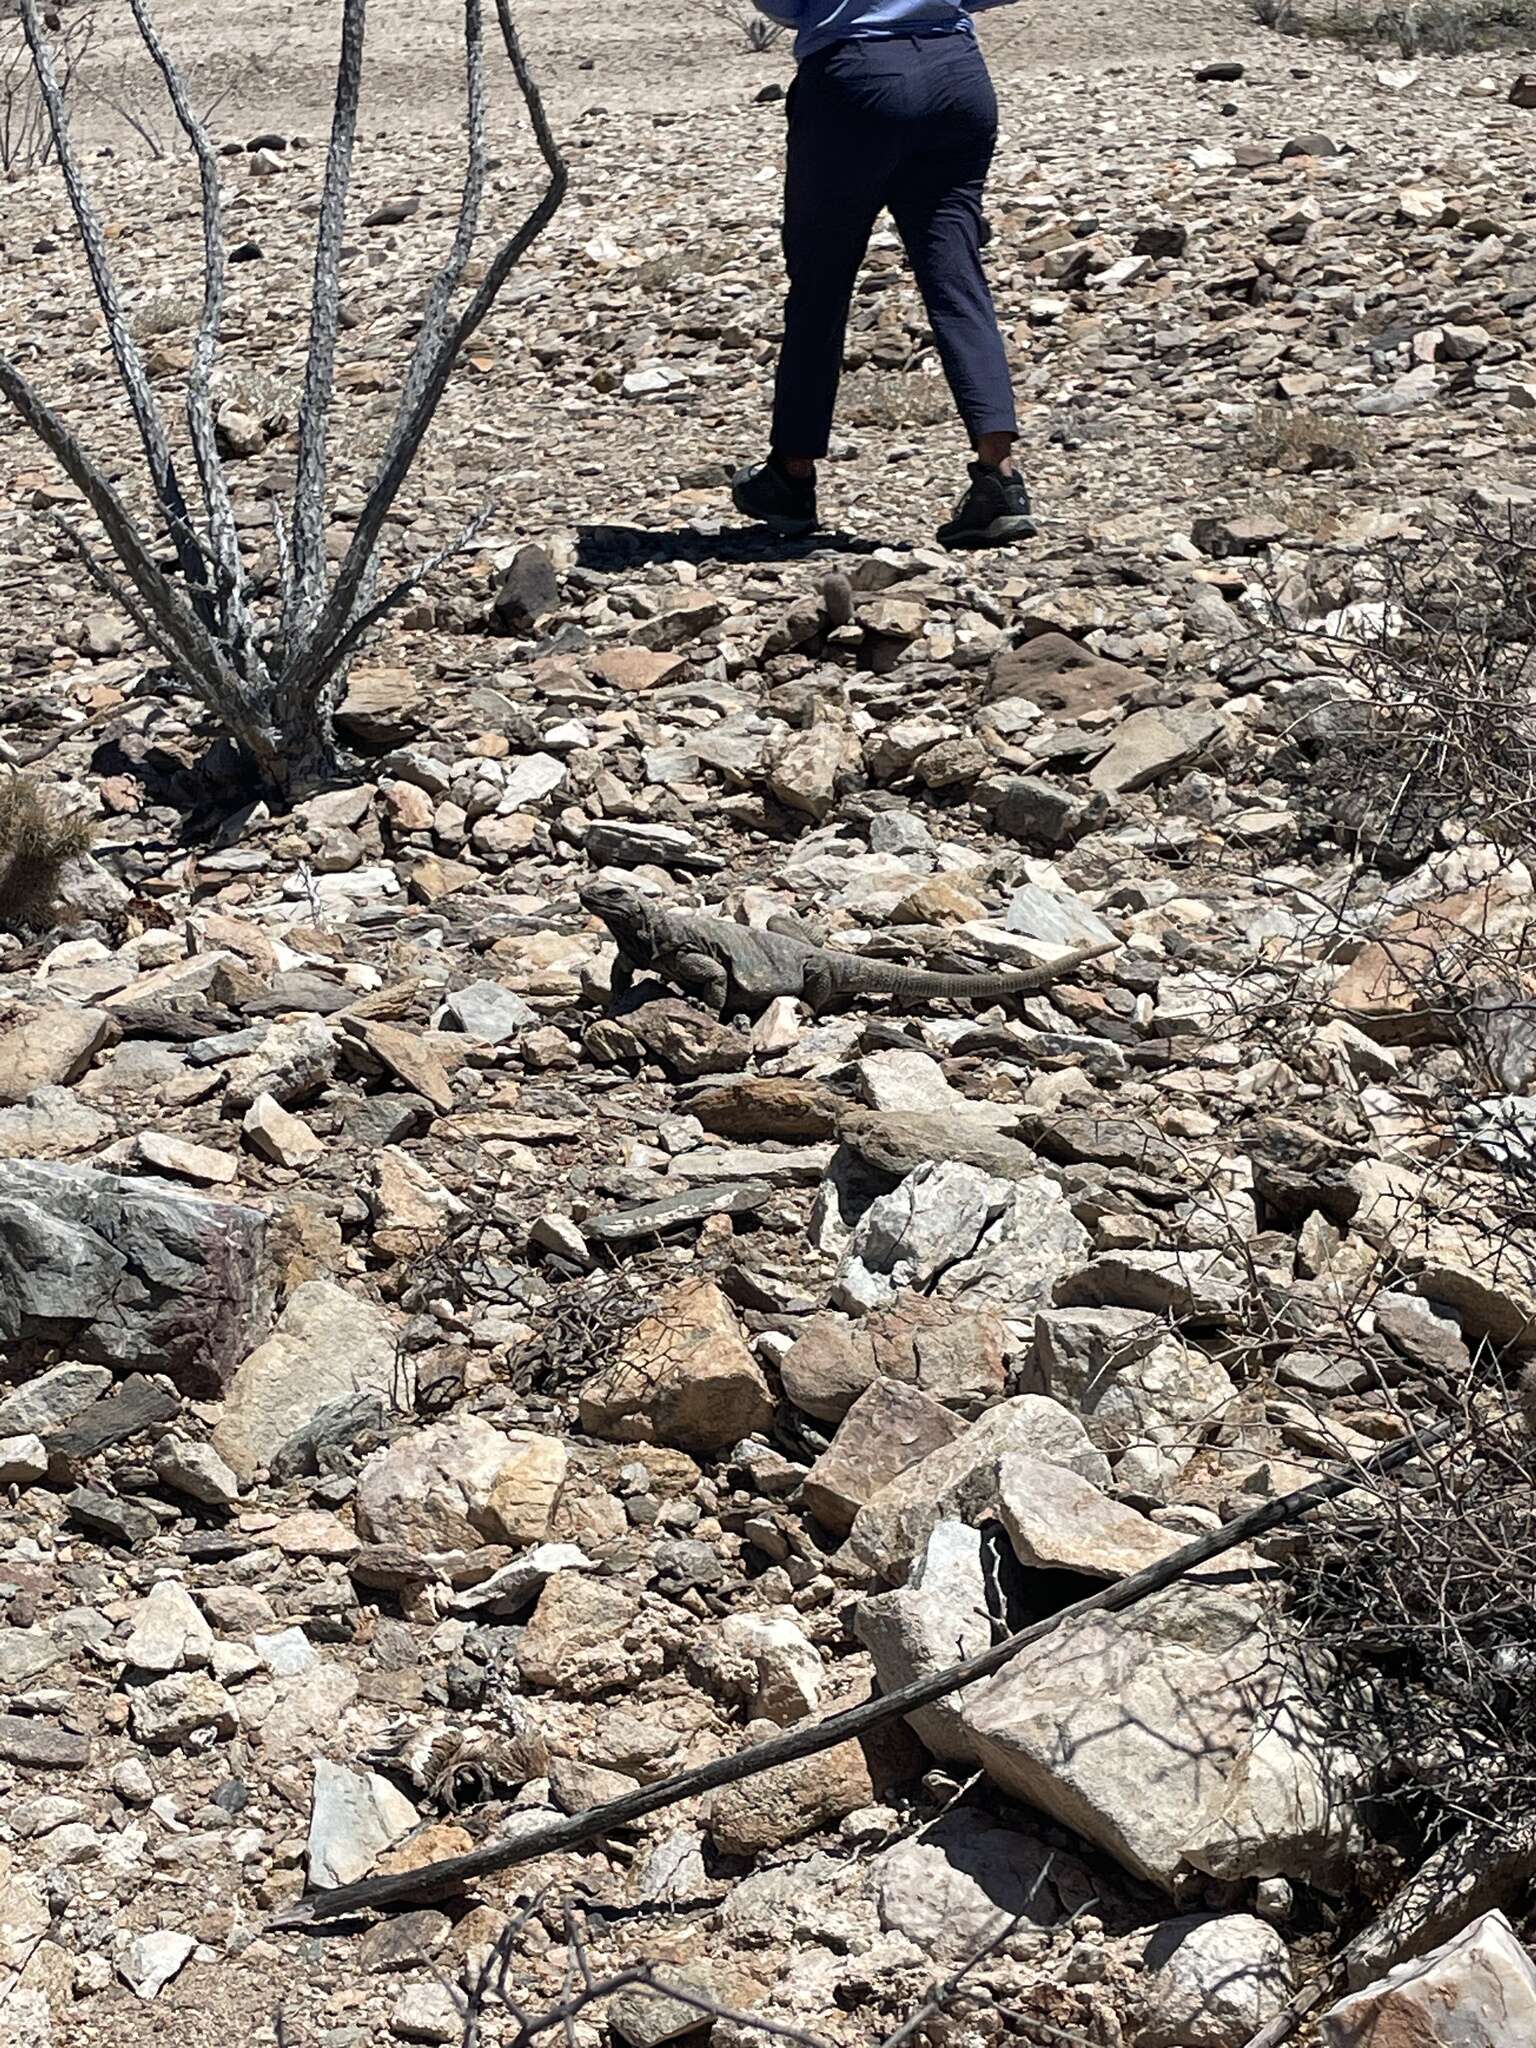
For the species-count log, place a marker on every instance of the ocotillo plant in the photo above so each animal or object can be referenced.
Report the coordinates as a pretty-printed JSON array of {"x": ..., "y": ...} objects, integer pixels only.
[{"x": 271, "y": 671}]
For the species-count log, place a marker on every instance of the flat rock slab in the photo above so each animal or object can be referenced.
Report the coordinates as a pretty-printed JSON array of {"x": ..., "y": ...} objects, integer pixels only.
[
  {"x": 132, "y": 1273},
  {"x": 40, "y": 1746},
  {"x": 649, "y": 1219}
]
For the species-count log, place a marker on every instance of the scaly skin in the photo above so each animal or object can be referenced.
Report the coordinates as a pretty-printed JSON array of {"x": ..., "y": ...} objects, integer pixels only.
[{"x": 735, "y": 968}]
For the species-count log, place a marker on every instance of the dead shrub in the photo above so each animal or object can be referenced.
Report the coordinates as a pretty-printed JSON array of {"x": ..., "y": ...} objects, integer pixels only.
[{"x": 1301, "y": 442}]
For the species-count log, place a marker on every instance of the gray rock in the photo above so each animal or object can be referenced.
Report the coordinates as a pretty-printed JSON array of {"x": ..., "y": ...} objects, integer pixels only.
[
  {"x": 328, "y": 1344},
  {"x": 427, "y": 2012},
  {"x": 961, "y": 1884},
  {"x": 1143, "y": 1393},
  {"x": 960, "y": 1482},
  {"x": 1200, "y": 1286},
  {"x": 130, "y": 1273},
  {"x": 1212, "y": 1981},
  {"x": 1041, "y": 813},
  {"x": 939, "y": 1618},
  {"x": 908, "y": 1238},
  {"x": 354, "y": 1818},
  {"x": 171, "y": 1711},
  {"x": 38, "y": 1745},
  {"x": 529, "y": 588},
  {"x": 487, "y": 1011},
  {"x": 25, "y": 1654},
  {"x": 1054, "y": 918},
  {"x": 1151, "y": 745},
  {"x": 293, "y": 1062},
  {"x": 53, "y": 1123},
  {"x": 335, "y": 1426}
]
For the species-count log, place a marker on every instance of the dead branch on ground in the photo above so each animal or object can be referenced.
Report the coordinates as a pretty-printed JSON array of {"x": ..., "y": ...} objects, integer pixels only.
[{"x": 435, "y": 1880}]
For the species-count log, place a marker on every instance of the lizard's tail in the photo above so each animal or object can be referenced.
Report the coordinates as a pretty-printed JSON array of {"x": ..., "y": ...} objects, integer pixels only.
[{"x": 919, "y": 981}]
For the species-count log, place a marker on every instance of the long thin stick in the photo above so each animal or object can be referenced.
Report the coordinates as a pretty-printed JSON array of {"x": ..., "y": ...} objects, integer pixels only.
[{"x": 433, "y": 1880}]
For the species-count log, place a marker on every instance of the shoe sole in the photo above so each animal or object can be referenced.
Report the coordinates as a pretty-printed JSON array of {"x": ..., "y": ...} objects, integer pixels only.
[
  {"x": 783, "y": 524},
  {"x": 1011, "y": 527}
]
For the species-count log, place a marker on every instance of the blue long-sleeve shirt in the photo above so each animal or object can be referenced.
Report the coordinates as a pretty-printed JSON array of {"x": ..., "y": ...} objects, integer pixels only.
[{"x": 819, "y": 22}]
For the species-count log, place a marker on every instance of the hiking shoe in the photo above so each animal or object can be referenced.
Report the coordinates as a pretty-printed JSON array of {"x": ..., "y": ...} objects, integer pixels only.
[
  {"x": 785, "y": 504},
  {"x": 993, "y": 512}
]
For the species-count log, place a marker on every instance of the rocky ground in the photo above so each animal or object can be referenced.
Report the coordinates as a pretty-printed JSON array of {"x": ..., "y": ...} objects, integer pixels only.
[{"x": 440, "y": 1389}]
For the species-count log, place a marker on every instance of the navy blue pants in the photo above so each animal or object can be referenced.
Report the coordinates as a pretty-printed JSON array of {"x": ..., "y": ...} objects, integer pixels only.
[{"x": 908, "y": 123}]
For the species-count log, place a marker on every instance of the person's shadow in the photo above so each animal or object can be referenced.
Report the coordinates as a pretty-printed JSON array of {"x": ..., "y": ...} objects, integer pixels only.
[{"x": 632, "y": 547}]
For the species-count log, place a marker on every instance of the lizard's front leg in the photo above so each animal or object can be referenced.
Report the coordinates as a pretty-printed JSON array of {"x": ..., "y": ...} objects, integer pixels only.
[
  {"x": 816, "y": 986},
  {"x": 700, "y": 971}
]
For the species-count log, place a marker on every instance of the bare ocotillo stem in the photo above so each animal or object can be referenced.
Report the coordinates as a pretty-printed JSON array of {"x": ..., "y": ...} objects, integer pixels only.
[{"x": 271, "y": 681}]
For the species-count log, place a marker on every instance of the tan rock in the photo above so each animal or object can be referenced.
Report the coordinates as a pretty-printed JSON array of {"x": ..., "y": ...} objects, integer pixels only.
[
  {"x": 1477, "y": 1990},
  {"x": 204, "y": 1164},
  {"x": 280, "y": 1136},
  {"x": 49, "y": 1048},
  {"x": 1059, "y": 1522},
  {"x": 437, "y": 1488},
  {"x": 888, "y": 1428},
  {"x": 575, "y": 1643},
  {"x": 526, "y": 1491},
  {"x": 685, "y": 1378},
  {"x": 767, "y": 1106},
  {"x": 636, "y": 669},
  {"x": 408, "y": 1059},
  {"x": 790, "y": 1801},
  {"x": 1396, "y": 988}
]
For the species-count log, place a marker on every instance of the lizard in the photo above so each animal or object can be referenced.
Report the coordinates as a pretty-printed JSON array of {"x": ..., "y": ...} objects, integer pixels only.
[{"x": 738, "y": 969}]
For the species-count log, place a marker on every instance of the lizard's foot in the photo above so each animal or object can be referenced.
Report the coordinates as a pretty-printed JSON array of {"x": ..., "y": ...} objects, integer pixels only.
[
  {"x": 994, "y": 512},
  {"x": 785, "y": 504}
]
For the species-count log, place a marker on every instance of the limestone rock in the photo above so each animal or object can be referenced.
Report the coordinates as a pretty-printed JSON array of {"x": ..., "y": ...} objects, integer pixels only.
[
  {"x": 685, "y": 1378},
  {"x": 293, "y": 1062},
  {"x": 355, "y": 1816},
  {"x": 170, "y": 1633},
  {"x": 1057, "y": 1521},
  {"x": 1478, "y": 1990},
  {"x": 960, "y": 1884},
  {"x": 279, "y": 1136},
  {"x": 327, "y": 1344},
  {"x": 458, "y": 1484},
  {"x": 1212, "y": 1981},
  {"x": 1160, "y": 1735},
  {"x": 939, "y": 1618},
  {"x": 960, "y": 1481}
]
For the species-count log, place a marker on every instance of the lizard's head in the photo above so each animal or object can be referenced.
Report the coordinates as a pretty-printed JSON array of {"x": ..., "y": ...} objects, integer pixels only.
[{"x": 616, "y": 903}]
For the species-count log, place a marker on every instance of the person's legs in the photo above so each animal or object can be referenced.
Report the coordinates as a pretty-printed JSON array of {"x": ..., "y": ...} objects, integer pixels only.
[
  {"x": 835, "y": 185},
  {"x": 936, "y": 200}
]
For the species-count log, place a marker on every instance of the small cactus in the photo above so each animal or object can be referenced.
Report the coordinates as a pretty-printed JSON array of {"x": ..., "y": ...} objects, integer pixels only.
[{"x": 38, "y": 841}]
